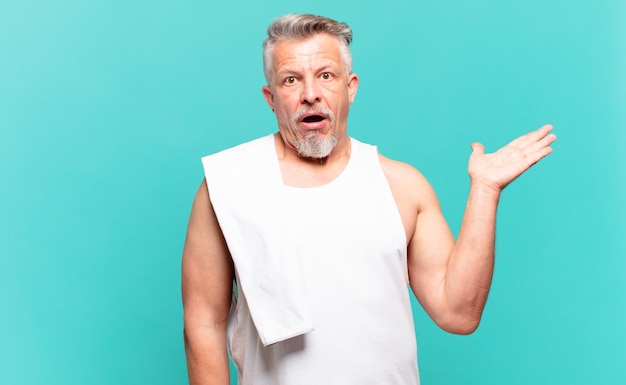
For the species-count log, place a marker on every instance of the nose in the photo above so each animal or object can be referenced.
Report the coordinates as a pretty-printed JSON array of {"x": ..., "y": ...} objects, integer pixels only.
[{"x": 311, "y": 92}]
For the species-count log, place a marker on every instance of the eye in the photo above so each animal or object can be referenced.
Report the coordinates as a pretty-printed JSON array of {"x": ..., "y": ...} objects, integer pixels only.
[
  {"x": 290, "y": 80},
  {"x": 327, "y": 75}
]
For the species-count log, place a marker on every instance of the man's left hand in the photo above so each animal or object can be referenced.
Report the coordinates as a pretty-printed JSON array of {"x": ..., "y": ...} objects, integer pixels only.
[{"x": 500, "y": 168}]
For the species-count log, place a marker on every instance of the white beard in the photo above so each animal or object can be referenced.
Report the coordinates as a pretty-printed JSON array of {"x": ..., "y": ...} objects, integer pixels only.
[{"x": 314, "y": 146}]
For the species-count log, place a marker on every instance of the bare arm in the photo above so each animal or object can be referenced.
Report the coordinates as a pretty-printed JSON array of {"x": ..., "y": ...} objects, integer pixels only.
[
  {"x": 452, "y": 279},
  {"x": 207, "y": 276}
]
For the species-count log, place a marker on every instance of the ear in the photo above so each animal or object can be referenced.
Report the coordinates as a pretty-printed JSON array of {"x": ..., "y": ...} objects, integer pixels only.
[
  {"x": 269, "y": 96},
  {"x": 353, "y": 86}
]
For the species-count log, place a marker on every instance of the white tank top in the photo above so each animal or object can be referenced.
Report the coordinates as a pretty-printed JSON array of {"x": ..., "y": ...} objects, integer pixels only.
[{"x": 353, "y": 249}]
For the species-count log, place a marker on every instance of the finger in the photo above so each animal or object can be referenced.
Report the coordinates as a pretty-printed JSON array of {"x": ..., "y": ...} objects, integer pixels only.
[
  {"x": 536, "y": 156},
  {"x": 546, "y": 141},
  {"x": 532, "y": 137},
  {"x": 477, "y": 148},
  {"x": 539, "y": 150}
]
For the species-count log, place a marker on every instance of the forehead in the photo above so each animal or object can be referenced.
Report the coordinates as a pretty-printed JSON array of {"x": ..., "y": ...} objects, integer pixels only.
[{"x": 319, "y": 47}]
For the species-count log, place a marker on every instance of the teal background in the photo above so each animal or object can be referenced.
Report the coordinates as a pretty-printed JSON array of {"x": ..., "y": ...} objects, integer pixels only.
[{"x": 107, "y": 106}]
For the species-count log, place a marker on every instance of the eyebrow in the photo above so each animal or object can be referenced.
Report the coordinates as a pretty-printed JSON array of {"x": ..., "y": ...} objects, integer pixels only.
[
  {"x": 286, "y": 73},
  {"x": 324, "y": 67}
]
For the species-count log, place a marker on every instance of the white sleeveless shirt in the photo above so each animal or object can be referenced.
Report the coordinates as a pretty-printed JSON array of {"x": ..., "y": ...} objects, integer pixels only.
[{"x": 354, "y": 262}]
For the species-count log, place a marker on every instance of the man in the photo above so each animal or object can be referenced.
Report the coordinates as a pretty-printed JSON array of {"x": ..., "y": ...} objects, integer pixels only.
[{"x": 321, "y": 235}]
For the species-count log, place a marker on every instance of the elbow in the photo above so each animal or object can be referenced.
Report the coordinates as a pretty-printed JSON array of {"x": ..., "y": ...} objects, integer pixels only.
[
  {"x": 464, "y": 328},
  {"x": 201, "y": 330},
  {"x": 461, "y": 324}
]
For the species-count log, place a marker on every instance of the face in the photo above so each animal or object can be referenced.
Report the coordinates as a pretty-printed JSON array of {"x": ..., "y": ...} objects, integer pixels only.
[{"x": 310, "y": 93}]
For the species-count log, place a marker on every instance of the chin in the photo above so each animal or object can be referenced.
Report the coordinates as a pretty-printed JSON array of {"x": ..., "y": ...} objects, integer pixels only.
[{"x": 315, "y": 146}]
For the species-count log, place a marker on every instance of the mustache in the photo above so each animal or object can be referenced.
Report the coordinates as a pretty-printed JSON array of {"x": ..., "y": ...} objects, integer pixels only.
[{"x": 313, "y": 108}]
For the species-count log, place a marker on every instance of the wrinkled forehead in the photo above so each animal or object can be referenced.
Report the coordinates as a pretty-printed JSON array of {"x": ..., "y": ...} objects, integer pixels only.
[{"x": 317, "y": 47}]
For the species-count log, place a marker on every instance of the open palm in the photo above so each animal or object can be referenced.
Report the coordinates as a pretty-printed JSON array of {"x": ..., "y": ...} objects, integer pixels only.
[{"x": 498, "y": 169}]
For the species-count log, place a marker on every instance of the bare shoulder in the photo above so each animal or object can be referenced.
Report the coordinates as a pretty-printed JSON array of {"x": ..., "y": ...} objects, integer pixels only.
[
  {"x": 203, "y": 231},
  {"x": 408, "y": 185},
  {"x": 411, "y": 191},
  {"x": 396, "y": 169}
]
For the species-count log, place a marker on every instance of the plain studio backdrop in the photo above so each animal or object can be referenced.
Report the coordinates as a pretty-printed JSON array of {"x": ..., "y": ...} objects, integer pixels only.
[{"x": 107, "y": 106}]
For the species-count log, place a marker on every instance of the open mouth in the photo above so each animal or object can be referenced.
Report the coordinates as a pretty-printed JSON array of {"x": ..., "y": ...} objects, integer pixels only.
[{"x": 313, "y": 119}]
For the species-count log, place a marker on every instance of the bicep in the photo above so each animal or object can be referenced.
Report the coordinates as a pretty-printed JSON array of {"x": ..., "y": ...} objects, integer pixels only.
[
  {"x": 207, "y": 270},
  {"x": 430, "y": 241},
  {"x": 429, "y": 251}
]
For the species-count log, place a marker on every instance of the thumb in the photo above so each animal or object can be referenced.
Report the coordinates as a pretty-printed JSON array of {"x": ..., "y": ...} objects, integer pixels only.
[{"x": 477, "y": 149}]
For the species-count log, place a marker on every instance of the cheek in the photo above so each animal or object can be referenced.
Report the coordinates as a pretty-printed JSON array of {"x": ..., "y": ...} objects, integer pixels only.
[
  {"x": 282, "y": 103},
  {"x": 288, "y": 107},
  {"x": 284, "y": 114}
]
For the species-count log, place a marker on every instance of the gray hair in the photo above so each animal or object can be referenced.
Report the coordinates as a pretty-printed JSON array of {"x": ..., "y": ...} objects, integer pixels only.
[{"x": 297, "y": 27}]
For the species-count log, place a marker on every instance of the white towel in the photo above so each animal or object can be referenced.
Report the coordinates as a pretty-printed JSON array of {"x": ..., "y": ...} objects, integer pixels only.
[{"x": 246, "y": 190}]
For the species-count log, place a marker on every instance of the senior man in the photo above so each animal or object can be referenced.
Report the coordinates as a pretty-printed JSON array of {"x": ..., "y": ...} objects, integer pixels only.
[{"x": 301, "y": 244}]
